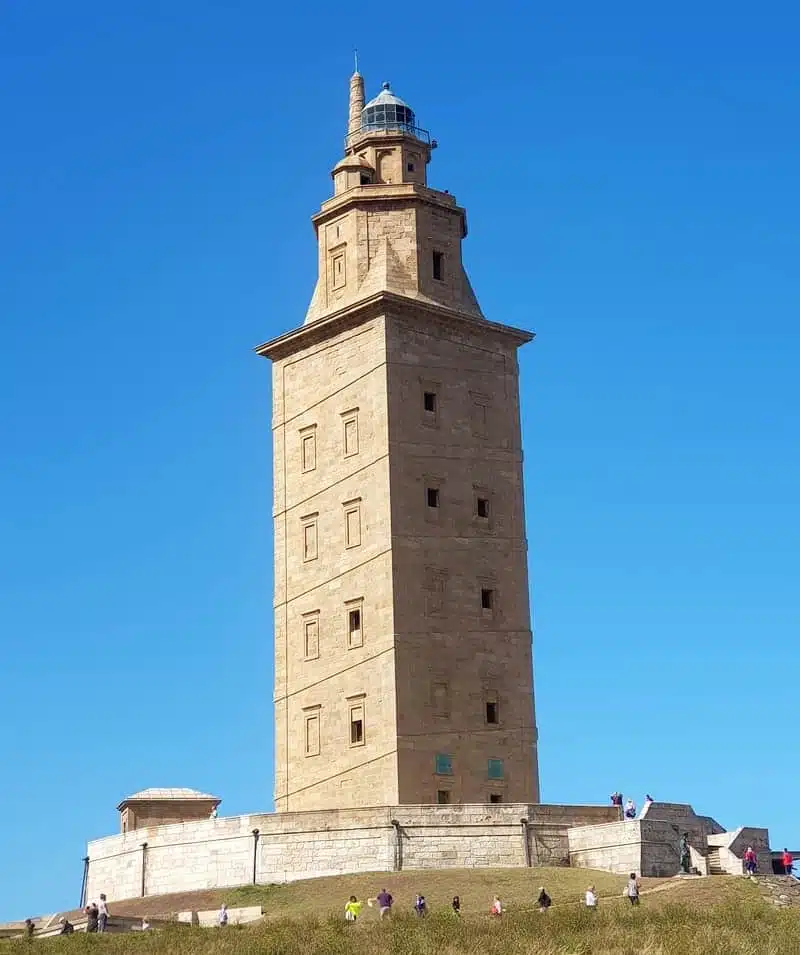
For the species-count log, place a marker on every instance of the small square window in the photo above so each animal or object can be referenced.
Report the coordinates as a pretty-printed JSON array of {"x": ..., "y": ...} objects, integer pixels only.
[
  {"x": 337, "y": 267},
  {"x": 312, "y": 740},
  {"x": 438, "y": 266},
  {"x": 410, "y": 167},
  {"x": 357, "y": 725},
  {"x": 309, "y": 538},
  {"x": 440, "y": 697},
  {"x": 432, "y": 494},
  {"x": 435, "y": 587},
  {"x": 487, "y": 598},
  {"x": 494, "y": 769},
  {"x": 308, "y": 449},
  {"x": 311, "y": 635},
  {"x": 355, "y": 624},
  {"x": 443, "y": 797},
  {"x": 352, "y": 524},
  {"x": 365, "y": 179},
  {"x": 480, "y": 416},
  {"x": 350, "y": 434},
  {"x": 492, "y": 715},
  {"x": 483, "y": 507},
  {"x": 444, "y": 764},
  {"x": 356, "y": 732},
  {"x": 429, "y": 401},
  {"x": 495, "y": 797}
]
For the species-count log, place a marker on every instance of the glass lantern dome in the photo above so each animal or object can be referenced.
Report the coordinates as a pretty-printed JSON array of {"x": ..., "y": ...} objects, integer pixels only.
[{"x": 388, "y": 111}]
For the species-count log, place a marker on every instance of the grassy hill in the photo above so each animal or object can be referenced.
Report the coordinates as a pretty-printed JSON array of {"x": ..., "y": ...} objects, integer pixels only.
[{"x": 716, "y": 916}]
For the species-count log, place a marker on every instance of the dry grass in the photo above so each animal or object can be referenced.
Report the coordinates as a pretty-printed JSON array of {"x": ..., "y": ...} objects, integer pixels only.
[
  {"x": 322, "y": 897},
  {"x": 716, "y": 916}
]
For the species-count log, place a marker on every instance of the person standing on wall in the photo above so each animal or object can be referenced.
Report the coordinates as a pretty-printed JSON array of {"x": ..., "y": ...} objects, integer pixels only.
[
  {"x": 102, "y": 913},
  {"x": 788, "y": 861}
]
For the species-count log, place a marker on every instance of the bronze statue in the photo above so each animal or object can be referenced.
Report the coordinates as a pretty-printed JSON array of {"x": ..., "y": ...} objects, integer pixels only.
[{"x": 686, "y": 855}]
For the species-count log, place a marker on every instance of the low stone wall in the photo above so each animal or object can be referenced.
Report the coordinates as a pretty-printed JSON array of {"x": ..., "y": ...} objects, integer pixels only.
[
  {"x": 243, "y": 915},
  {"x": 649, "y": 848},
  {"x": 615, "y": 847},
  {"x": 289, "y": 846}
]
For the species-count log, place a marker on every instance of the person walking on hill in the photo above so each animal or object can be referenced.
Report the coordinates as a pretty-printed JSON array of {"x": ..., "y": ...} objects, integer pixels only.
[
  {"x": 67, "y": 928},
  {"x": 497, "y": 907},
  {"x": 421, "y": 906},
  {"x": 455, "y": 905},
  {"x": 30, "y": 928},
  {"x": 788, "y": 861},
  {"x": 590, "y": 898},
  {"x": 353, "y": 909},
  {"x": 102, "y": 913},
  {"x": 385, "y": 902},
  {"x": 632, "y": 889},
  {"x": 543, "y": 901},
  {"x": 750, "y": 861},
  {"x": 222, "y": 917}
]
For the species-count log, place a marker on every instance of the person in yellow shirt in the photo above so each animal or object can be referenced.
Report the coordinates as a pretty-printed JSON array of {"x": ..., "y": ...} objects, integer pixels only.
[{"x": 353, "y": 909}]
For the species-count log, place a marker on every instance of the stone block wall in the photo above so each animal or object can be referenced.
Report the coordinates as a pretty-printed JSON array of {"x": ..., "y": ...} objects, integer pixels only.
[
  {"x": 292, "y": 846},
  {"x": 615, "y": 846}
]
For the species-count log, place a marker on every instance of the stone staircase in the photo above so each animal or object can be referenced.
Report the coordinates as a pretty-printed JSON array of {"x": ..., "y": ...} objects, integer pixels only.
[{"x": 714, "y": 863}]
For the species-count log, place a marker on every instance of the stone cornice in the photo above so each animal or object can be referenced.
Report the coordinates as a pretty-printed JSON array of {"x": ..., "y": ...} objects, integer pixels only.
[
  {"x": 382, "y": 192},
  {"x": 383, "y": 303}
]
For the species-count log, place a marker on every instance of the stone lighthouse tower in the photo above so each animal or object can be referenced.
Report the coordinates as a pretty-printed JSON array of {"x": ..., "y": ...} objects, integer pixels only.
[{"x": 403, "y": 670}]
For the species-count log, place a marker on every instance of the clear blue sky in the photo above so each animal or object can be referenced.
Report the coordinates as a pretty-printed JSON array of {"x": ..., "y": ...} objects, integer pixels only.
[{"x": 630, "y": 175}]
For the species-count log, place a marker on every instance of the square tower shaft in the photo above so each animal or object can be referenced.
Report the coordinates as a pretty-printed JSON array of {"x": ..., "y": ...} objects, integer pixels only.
[{"x": 403, "y": 665}]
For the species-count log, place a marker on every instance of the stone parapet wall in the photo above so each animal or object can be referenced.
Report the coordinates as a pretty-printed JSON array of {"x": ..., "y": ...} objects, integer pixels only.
[
  {"x": 650, "y": 845},
  {"x": 615, "y": 847},
  {"x": 649, "y": 848},
  {"x": 291, "y": 846}
]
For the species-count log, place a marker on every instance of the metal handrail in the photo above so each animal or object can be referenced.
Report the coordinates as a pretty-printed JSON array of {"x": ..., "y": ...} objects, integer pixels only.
[{"x": 422, "y": 134}]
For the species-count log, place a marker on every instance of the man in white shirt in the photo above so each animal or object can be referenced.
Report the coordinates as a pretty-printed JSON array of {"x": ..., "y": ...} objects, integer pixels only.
[
  {"x": 102, "y": 913},
  {"x": 591, "y": 898}
]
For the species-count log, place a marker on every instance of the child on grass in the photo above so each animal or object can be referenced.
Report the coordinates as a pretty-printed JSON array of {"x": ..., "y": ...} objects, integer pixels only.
[{"x": 353, "y": 909}]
